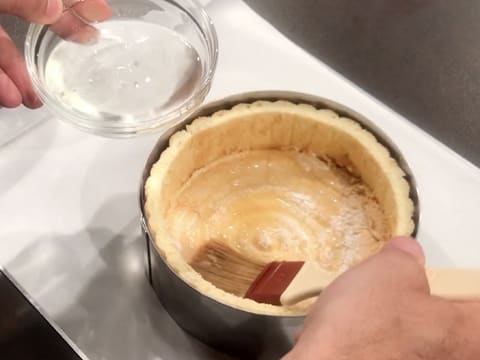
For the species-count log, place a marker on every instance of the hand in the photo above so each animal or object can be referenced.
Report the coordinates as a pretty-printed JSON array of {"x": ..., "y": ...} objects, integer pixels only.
[
  {"x": 382, "y": 309},
  {"x": 15, "y": 85}
]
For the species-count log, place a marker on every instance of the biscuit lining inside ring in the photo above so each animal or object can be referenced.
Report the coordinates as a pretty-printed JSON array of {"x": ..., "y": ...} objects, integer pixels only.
[{"x": 263, "y": 126}]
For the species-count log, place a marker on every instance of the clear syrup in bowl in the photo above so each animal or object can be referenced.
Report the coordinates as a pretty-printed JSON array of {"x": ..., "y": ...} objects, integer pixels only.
[{"x": 131, "y": 67}]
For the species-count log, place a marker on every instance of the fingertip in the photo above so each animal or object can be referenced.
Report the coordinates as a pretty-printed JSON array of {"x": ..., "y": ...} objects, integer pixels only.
[
  {"x": 86, "y": 35},
  {"x": 10, "y": 96},
  {"x": 407, "y": 245},
  {"x": 72, "y": 28},
  {"x": 30, "y": 98},
  {"x": 32, "y": 102}
]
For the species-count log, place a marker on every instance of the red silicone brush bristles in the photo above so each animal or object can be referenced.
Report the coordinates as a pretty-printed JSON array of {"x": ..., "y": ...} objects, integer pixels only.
[{"x": 269, "y": 286}]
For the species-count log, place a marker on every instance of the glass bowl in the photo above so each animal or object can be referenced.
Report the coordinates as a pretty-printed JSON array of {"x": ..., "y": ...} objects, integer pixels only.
[{"x": 124, "y": 67}]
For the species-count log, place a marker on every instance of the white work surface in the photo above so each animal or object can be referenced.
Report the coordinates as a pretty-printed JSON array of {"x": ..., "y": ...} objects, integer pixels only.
[{"x": 69, "y": 224}]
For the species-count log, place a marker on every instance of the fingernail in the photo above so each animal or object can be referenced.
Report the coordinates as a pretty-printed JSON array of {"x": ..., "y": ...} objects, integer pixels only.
[
  {"x": 407, "y": 245},
  {"x": 35, "y": 102},
  {"x": 31, "y": 100},
  {"x": 92, "y": 11}
]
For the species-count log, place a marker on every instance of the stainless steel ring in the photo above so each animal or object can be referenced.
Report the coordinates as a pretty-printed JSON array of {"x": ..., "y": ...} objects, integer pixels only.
[{"x": 241, "y": 333}]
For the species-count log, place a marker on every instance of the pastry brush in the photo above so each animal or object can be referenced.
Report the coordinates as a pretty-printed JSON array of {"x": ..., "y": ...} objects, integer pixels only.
[{"x": 289, "y": 282}]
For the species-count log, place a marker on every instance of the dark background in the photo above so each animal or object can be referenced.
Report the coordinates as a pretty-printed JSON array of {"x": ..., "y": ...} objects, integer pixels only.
[
  {"x": 420, "y": 57},
  {"x": 24, "y": 332}
]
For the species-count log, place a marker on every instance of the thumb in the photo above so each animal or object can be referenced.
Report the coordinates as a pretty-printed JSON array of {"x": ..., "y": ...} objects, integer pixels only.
[
  {"x": 409, "y": 246},
  {"x": 401, "y": 262},
  {"x": 39, "y": 11}
]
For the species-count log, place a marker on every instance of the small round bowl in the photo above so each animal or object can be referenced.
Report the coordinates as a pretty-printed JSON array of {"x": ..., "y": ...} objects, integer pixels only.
[{"x": 124, "y": 67}]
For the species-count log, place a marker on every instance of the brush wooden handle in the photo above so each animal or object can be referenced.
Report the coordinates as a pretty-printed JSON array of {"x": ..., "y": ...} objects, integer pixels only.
[
  {"x": 457, "y": 284},
  {"x": 309, "y": 282}
]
